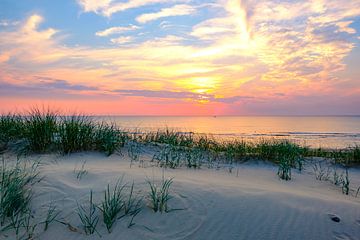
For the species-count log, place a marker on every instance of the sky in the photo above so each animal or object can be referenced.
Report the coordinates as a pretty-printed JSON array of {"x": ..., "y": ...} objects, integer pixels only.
[{"x": 181, "y": 57}]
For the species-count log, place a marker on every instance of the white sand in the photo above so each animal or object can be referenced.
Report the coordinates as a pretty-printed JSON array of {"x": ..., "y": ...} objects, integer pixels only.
[{"x": 217, "y": 204}]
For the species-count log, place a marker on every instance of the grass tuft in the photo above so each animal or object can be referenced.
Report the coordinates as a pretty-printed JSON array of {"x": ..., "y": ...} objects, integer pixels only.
[
  {"x": 51, "y": 216},
  {"x": 108, "y": 138},
  {"x": 80, "y": 172},
  {"x": 12, "y": 128},
  {"x": 76, "y": 133},
  {"x": 41, "y": 126},
  {"x": 160, "y": 195},
  {"x": 284, "y": 171},
  {"x": 15, "y": 188},
  {"x": 168, "y": 156},
  {"x": 88, "y": 216},
  {"x": 112, "y": 204}
]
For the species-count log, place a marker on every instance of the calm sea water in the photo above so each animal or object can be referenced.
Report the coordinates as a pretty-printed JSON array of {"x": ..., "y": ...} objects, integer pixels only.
[{"x": 334, "y": 132}]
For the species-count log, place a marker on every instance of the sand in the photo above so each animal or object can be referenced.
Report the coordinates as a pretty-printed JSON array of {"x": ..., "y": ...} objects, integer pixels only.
[{"x": 249, "y": 203}]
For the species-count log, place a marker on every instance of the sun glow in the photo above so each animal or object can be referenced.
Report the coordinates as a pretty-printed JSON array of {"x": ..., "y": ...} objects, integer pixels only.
[{"x": 253, "y": 52}]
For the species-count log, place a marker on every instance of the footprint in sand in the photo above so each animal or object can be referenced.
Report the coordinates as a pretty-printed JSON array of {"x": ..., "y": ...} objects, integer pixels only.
[
  {"x": 334, "y": 217},
  {"x": 342, "y": 236}
]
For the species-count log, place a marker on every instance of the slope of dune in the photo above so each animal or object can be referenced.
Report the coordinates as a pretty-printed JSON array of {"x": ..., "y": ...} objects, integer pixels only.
[{"x": 248, "y": 203}]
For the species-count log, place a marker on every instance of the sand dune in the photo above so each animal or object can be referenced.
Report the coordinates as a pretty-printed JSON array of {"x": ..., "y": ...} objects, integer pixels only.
[{"x": 249, "y": 203}]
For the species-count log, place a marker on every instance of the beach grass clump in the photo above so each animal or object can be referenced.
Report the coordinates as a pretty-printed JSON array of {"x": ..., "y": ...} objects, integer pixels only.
[
  {"x": 170, "y": 137},
  {"x": 108, "y": 138},
  {"x": 284, "y": 171},
  {"x": 159, "y": 196},
  {"x": 15, "y": 189},
  {"x": 236, "y": 150},
  {"x": 112, "y": 204},
  {"x": 76, "y": 133},
  {"x": 352, "y": 156},
  {"x": 168, "y": 156},
  {"x": 349, "y": 156},
  {"x": 278, "y": 150},
  {"x": 134, "y": 151},
  {"x": 88, "y": 216},
  {"x": 206, "y": 143},
  {"x": 40, "y": 129},
  {"x": 194, "y": 157},
  {"x": 80, "y": 133},
  {"x": 12, "y": 128}
]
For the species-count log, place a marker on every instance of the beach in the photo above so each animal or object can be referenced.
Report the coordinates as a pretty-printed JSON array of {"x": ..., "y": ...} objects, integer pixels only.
[
  {"x": 180, "y": 120},
  {"x": 212, "y": 202}
]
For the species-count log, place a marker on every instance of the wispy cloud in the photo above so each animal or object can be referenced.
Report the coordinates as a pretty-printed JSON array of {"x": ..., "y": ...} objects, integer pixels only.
[
  {"x": 122, "y": 40},
  {"x": 181, "y": 95},
  {"x": 242, "y": 52},
  {"x": 109, "y": 7},
  {"x": 116, "y": 30},
  {"x": 7, "y": 23},
  {"x": 177, "y": 10}
]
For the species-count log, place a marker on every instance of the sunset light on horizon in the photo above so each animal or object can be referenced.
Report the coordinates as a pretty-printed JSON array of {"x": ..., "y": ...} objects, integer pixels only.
[{"x": 181, "y": 57}]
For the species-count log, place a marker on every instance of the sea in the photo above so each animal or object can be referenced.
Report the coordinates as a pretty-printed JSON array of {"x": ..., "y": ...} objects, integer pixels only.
[{"x": 313, "y": 131}]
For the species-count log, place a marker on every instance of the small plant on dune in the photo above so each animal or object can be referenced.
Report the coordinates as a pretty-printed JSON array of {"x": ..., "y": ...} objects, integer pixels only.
[
  {"x": 337, "y": 178},
  {"x": 51, "y": 216},
  {"x": 160, "y": 195},
  {"x": 346, "y": 183},
  {"x": 321, "y": 173},
  {"x": 194, "y": 157},
  {"x": 132, "y": 205},
  {"x": 112, "y": 204},
  {"x": 40, "y": 129},
  {"x": 134, "y": 151},
  {"x": 80, "y": 172},
  {"x": 29, "y": 225},
  {"x": 88, "y": 216},
  {"x": 284, "y": 171},
  {"x": 169, "y": 156},
  {"x": 15, "y": 188}
]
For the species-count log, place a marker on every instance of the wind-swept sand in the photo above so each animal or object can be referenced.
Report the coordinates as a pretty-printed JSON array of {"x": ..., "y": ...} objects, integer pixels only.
[{"x": 249, "y": 203}]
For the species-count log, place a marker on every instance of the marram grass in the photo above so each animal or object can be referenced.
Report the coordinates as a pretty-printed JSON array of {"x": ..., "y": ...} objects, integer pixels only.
[{"x": 44, "y": 130}]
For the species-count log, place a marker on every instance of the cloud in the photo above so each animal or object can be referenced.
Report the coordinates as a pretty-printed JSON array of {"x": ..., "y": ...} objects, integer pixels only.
[
  {"x": 177, "y": 10},
  {"x": 122, "y": 40},
  {"x": 180, "y": 95},
  {"x": 247, "y": 50},
  {"x": 51, "y": 83},
  {"x": 116, "y": 30},
  {"x": 109, "y": 7},
  {"x": 47, "y": 88},
  {"x": 7, "y": 23},
  {"x": 94, "y": 5}
]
